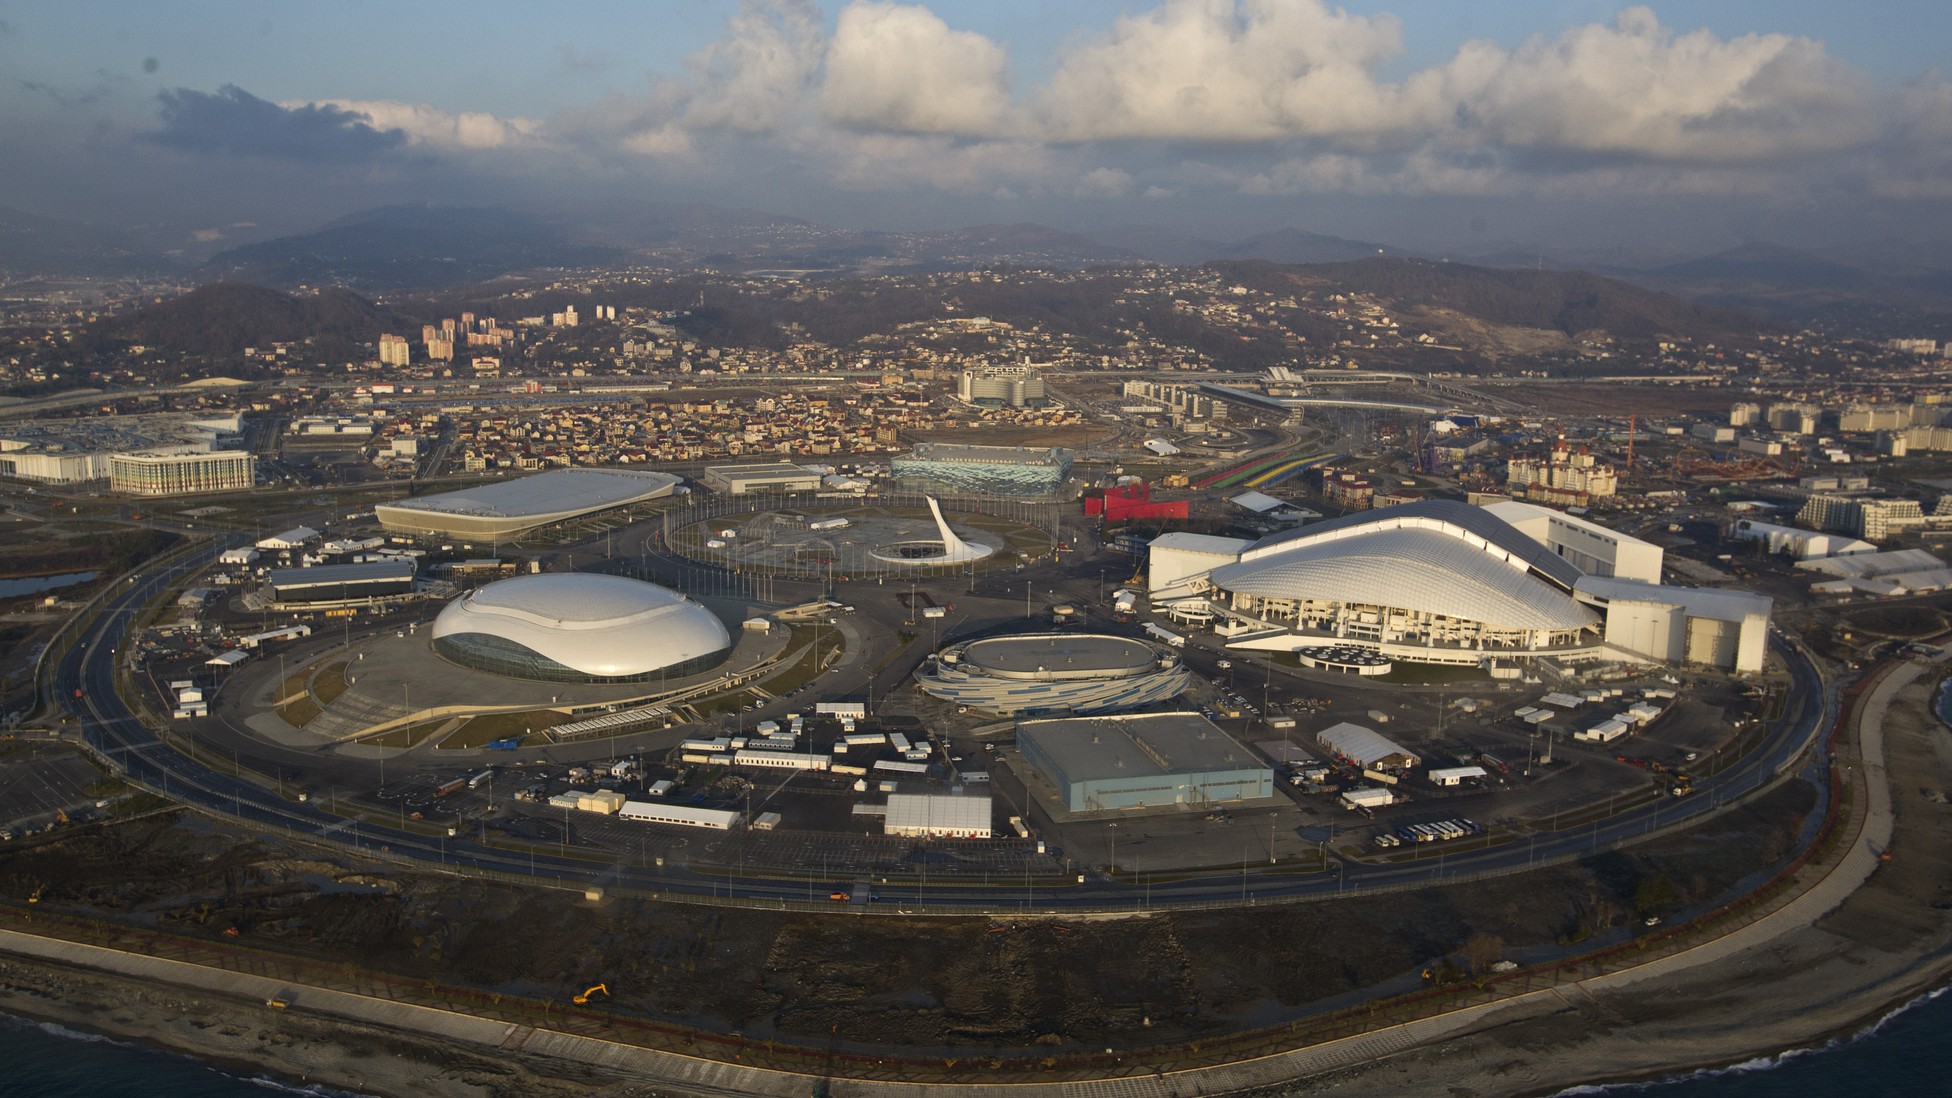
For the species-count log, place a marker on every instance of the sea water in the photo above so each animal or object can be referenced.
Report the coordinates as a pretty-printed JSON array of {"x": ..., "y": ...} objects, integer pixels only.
[
  {"x": 50, "y": 1061},
  {"x": 1903, "y": 1055}
]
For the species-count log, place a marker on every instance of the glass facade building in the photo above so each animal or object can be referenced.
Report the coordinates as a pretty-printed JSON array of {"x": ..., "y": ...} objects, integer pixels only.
[{"x": 983, "y": 470}]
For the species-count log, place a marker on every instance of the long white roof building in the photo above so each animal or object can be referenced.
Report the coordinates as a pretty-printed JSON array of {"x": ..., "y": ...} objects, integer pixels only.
[
  {"x": 509, "y": 507},
  {"x": 1440, "y": 581}
]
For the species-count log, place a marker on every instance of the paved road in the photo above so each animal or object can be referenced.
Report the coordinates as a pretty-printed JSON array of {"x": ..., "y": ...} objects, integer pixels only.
[
  {"x": 84, "y": 680},
  {"x": 705, "y": 1076}
]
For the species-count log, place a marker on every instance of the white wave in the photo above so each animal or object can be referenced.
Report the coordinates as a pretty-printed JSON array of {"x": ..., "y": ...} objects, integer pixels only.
[
  {"x": 1756, "y": 1064},
  {"x": 312, "y": 1090},
  {"x": 55, "y": 1029}
]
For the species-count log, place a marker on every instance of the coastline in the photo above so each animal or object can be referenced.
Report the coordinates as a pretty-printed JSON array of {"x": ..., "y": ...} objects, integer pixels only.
[{"x": 1828, "y": 976}]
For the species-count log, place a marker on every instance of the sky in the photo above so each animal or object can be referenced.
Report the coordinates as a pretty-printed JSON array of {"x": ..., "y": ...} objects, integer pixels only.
[{"x": 1572, "y": 126}]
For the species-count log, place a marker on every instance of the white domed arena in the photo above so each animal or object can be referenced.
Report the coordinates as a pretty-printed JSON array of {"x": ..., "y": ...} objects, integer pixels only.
[{"x": 580, "y": 627}]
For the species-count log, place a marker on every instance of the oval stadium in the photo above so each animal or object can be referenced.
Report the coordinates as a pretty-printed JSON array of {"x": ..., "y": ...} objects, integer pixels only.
[
  {"x": 507, "y": 508},
  {"x": 580, "y": 627},
  {"x": 1055, "y": 672}
]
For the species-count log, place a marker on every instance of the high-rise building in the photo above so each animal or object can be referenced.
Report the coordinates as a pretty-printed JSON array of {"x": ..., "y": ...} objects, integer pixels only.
[
  {"x": 181, "y": 474},
  {"x": 395, "y": 350},
  {"x": 1563, "y": 475},
  {"x": 1003, "y": 387}
]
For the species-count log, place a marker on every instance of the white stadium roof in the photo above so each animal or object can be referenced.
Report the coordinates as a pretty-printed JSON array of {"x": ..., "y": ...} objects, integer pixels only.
[
  {"x": 514, "y": 505},
  {"x": 597, "y": 625},
  {"x": 1429, "y": 569}
]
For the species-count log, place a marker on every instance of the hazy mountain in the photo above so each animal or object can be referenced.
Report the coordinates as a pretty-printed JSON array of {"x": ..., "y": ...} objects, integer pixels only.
[
  {"x": 1289, "y": 245},
  {"x": 35, "y": 245},
  {"x": 1160, "y": 244},
  {"x": 1766, "y": 266},
  {"x": 397, "y": 247},
  {"x": 1024, "y": 243},
  {"x": 1852, "y": 290},
  {"x": 226, "y": 317},
  {"x": 1570, "y": 302},
  {"x": 1297, "y": 246}
]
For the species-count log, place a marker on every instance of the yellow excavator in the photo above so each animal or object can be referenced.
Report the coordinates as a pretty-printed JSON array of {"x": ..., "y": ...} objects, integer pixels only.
[{"x": 579, "y": 1000}]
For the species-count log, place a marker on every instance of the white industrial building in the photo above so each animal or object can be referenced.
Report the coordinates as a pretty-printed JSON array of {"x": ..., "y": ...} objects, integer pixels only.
[
  {"x": 295, "y": 538},
  {"x": 681, "y": 815},
  {"x": 1705, "y": 625},
  {"x": 1176, "y": 557},
  {"x": 742, "y": 480},
  {"x": 1592, "y": 548},
  {"x": 1891, "y": 573},
  {"x": 937, "y": 816},
  {"x": 175, "y": 474},
  {"x": 1366, "y": 748},
  {"x": 1438, "y": 581},
  {"x": 1799, "y": 543}
]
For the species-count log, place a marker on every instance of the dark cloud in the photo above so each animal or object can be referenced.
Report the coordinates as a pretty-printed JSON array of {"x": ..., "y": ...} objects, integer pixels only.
[
  {"x": 235, "y": 121},
  {"x": 61, "y": 95}
]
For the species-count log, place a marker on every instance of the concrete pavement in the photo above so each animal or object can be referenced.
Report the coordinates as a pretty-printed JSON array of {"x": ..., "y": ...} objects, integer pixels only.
[{"x": 1869, "y": 832}]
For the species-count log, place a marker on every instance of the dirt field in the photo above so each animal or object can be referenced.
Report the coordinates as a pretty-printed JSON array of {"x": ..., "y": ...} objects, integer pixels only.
[{"x": 925, "y": 984}]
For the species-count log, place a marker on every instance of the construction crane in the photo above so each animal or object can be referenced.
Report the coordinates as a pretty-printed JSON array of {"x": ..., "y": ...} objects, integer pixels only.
[{"x": 579, "y": 1000}]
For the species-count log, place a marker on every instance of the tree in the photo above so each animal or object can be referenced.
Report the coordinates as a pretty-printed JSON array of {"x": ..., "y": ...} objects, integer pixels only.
[
  {"x": 1482, "y": 950},
  {"x": 1656, "y": 895}
]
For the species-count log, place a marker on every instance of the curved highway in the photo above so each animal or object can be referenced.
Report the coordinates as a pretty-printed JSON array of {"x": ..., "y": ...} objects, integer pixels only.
[{"x": 85, "y": 682}]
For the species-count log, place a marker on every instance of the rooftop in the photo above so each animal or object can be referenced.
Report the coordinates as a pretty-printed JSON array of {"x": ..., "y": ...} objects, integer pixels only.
[
  {"x": 546, "y": 493},
  {"x": 1030, "y": 653},
  {"x": 1005, "y": 455},
  {"x": 1137, "y": 745},
  {"x": 325, "y": 575}
]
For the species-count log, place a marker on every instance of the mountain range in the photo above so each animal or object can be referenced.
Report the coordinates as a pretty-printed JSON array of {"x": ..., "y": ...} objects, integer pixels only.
[{"x": 433, "y": 247}]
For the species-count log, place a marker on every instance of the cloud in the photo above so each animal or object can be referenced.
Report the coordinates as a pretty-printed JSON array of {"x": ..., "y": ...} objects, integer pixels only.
[
  {"x": 235, "y": 121},
  {"x": 1637, "y": 88},
  {"x": 1274, "y": 71},
  {"x": 1105, "y": 183},
  {"x": 755, "y": 79},
  {"x": 1914, "y": 160},
  {"x": 422, "y": 124},
  {"x": 1191, "y": 101},
  {"x": 883, "y": 162},
  {"x": 1217, "y": 70},
  {"x": 662, "y": 141},
  {"x": 900, "y": 68}
]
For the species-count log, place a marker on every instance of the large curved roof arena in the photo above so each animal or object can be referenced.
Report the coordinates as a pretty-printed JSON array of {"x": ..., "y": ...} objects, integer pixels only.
[
  {"x": 1048, "y": 672},
  {"x": 509, "y": 507},
  {"x": 1436, "y": 560},
  {"x": 580, "y": 627}
]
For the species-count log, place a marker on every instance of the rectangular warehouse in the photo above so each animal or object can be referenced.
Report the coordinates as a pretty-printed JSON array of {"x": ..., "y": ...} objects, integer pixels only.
[
  {"x": 779, "y": 476},
  {"x": 331, "y": 583},
  {"x": 1366, "y": 748},
  {"x": 937, "y": 816},
  {"x": 1179, "y": 556},
  {"x": 1141, "y": 761}
]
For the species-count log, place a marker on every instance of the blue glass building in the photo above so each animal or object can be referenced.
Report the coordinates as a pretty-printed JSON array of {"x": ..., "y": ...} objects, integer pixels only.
[{"x": 983, "y": 470}]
